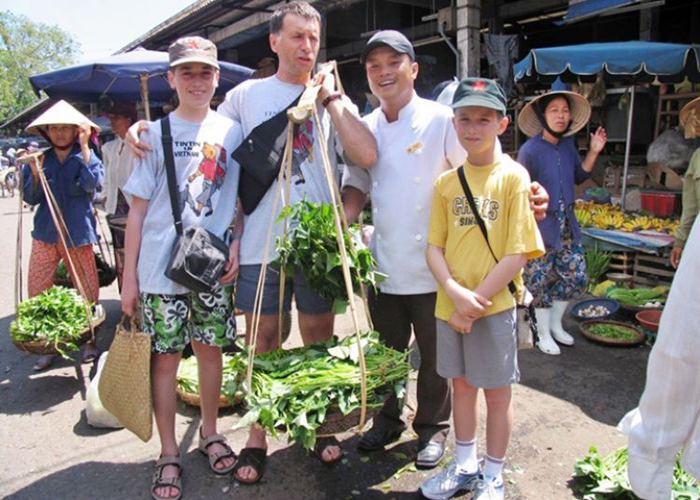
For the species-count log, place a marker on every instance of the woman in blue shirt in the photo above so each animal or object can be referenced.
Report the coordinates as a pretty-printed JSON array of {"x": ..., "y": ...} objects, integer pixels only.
[
  {"x": 552, "y": 158},
  {"x": 73, "y": 173}
]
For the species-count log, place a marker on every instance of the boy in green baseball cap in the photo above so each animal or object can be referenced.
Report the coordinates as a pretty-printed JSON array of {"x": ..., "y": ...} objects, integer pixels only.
[{"x": 475, "y": 309}]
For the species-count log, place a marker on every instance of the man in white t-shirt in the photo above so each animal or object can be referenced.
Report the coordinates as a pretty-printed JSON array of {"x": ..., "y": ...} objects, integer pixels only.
[
  {"x": 294, "y": 36},
  {"x": 416, "y": 141}
]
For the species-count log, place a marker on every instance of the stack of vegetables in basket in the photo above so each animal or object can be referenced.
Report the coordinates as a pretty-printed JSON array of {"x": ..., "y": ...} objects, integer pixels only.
[
  {"x": 188, "y": 382},
  {"x": 297, "y": 390},
  {"x": 53, "y": 322}
]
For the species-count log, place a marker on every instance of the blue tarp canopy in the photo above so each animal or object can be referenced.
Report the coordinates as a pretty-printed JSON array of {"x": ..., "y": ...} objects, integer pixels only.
[
  {"x": 629, "y": 62},
  {"x": 578, "y": 11},
  {"x": 120, "y": 77}
]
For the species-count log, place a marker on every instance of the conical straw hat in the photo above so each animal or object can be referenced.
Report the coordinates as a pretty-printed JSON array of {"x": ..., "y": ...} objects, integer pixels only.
[
  {"x": 690, "y": 118},
  {"x": 58, "y": 114},
  {"x": 580, "y": 109}
]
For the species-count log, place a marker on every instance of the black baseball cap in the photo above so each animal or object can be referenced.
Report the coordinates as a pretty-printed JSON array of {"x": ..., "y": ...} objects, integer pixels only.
[
  {"x": 389, "y": 38},
  {"x": 480, "y": 92}
]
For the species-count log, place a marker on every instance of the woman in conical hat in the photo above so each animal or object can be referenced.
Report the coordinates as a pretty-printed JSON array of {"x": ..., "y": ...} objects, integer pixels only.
[
  {"x": 690, "y": 121},
  {"x": 74, "y": 173},
  {"x": 552, "y": 159}
]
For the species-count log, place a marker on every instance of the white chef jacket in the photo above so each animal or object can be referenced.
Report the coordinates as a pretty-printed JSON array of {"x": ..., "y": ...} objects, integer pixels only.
[
  {"x": 119, "y": 162},
  {"x": 412, "y": 152},
  {"x": 668, "y": 416}
]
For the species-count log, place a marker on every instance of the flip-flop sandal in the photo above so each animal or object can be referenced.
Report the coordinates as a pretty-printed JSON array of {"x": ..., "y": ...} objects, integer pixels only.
[
  {"x": 251, "y": 457},
  {"x": 159, "y": 481},
  {"x": 43, "y": 363},
  {"x": 216, "y": 457},
  {"x": 322, "y": 444},
  {"x": 90, "y": 354}
]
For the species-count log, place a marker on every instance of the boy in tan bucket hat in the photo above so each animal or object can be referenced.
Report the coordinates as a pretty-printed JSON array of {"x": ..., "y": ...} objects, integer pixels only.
[{"x": 74, "y": 174}]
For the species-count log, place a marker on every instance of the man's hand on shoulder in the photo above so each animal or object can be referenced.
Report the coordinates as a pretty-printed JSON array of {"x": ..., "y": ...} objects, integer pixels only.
[
  {"x": 133, "y": 140},
  {"x": 539, "y": 200}
]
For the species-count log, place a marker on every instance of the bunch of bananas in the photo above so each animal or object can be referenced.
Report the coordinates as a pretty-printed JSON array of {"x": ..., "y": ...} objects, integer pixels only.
[{"x": 607, "y": 216}]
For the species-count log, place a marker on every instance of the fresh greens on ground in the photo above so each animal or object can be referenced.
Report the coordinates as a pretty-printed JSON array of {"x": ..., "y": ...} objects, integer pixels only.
[
  {"x": 311, "y": 245},
  {"x": 597, "y": 263},
  {"x": 605, "y": 478},
  {"x": 56, "y": 316},
  {"x": 639, "y": 297},
  {"x": 612, "y": 331},
  {"x": 188, "y": 377},
  {"x": 296, "y": 389}
]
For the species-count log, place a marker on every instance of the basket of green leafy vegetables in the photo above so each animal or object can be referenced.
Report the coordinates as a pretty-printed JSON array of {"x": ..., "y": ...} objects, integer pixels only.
[
  {"x": 105, "y": 274},
  {"x": 311, "y": 245},
  {"x": 187, "y": 379},
  {"x": 601, "y": 478},
  {"x": 54, "y": 322},
  {"x": 612, "y": 332},
  {"x": 315, "y": 390}
]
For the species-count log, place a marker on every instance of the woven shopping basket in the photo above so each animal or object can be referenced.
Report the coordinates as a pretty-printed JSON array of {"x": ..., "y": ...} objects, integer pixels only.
[{"x": 125, "y": 384}]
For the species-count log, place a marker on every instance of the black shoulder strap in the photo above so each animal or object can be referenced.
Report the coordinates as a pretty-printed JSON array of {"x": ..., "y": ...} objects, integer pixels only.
[
  {"x": 479, "y": 221},
  {"x": 167, "y": 141}
]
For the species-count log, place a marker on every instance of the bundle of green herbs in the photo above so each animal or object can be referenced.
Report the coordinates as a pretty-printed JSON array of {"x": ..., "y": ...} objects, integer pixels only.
[
  {"x": 295, "y": 389},
  {"x": 311, "y": 245},
  {"x": 604, "y": 478},
  {"x": 57, "y": 317},
  {"x": 597, "y": 263}
]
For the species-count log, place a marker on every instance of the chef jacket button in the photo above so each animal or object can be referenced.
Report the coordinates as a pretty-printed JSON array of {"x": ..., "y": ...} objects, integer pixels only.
[{"x": 419, "y": 237}]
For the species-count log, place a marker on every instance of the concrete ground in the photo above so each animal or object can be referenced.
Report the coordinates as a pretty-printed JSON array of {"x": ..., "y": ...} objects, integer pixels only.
[{"x": 563, "y": 405}]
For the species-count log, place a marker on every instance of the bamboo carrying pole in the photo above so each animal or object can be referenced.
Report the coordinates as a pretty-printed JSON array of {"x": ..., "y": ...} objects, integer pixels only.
[{"x": 305, "y": 110}]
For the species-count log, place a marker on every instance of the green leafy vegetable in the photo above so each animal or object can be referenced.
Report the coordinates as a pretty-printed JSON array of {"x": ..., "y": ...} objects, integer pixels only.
[
  {"x": 604, "y": 478},
  {"x": 612, "y": 332},
  {"x": 638, "y": 296},
  {"x": 295, "y": 389},
  {"x": 231, "y": 380},
  {"x": 597, "y": 263},
  {"x": 56, "y": 316},
  {"x": 311, "y": 245}
]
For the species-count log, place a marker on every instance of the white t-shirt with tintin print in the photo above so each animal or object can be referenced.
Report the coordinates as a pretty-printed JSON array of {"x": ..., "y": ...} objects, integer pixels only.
[
  {"x": 254, "y": 102},
  {"x": 207, "y": 180}
]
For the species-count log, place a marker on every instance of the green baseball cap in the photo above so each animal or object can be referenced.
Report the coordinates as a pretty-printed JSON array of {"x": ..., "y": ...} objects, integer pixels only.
[{"x": 480, "y": 92}]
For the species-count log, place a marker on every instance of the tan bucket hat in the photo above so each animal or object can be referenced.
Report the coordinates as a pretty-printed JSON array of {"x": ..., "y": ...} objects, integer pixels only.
[
  {"x": 690, "y": 118},
  {"x": 58, "y": 114},
  {"x": 530, "y": 125}
]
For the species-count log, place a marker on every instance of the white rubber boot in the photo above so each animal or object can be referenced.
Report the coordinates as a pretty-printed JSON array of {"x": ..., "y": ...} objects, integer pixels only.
[
  {"x": 555, "y": 325},
  {"x": 545, "y": 342}
]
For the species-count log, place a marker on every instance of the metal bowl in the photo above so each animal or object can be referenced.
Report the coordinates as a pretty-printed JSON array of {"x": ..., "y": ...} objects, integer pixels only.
[{"x": 611, "y": 305}]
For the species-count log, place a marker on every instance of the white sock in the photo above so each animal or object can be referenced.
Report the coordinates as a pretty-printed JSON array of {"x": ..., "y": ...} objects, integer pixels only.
[
  {"x": 465, "y": 456},
  {"x": 493, "y": 468}
]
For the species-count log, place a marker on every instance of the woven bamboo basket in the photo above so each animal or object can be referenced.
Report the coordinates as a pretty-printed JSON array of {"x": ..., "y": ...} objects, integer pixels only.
[
  {"x": 193, "y": 399},
  {"x": 40, "y": 346},
  {"x": 336, "y": 422}
]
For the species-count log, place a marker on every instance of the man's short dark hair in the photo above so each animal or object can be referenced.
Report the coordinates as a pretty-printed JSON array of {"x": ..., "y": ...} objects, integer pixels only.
[{"x": 303, "y": 9}]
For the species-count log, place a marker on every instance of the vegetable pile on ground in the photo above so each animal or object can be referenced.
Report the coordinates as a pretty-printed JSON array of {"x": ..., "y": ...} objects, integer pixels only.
[
  {"x": 615, "y": 332},
  {"x": 602, "y": 478},
  {"x": 311, "y": 245},
  {"x": 296, "y": 389},
  {"x": 188, "y": 377},
  {"x": 56, "y": 316},
  {"x": 639, "y": 297}
]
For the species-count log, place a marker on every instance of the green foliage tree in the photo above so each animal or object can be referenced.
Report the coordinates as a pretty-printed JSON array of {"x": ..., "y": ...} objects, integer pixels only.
[{"x": 28, "y": 48}]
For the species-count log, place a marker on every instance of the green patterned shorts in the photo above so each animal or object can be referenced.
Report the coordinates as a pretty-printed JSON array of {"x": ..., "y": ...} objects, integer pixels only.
[{"x": 173, "y": 320}]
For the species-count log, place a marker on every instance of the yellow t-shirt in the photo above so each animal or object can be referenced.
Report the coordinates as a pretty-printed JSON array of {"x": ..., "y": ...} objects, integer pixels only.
[{"x": 501, "y": 194}]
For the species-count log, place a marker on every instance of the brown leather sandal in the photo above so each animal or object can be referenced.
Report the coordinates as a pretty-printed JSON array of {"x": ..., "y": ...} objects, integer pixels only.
[
  {"x": 159, "y": 481},
  {"x": 216, "y": 457}
]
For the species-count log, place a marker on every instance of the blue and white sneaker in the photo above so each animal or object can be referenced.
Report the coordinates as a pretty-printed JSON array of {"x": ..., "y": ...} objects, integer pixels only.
[
  {"x": 489, "y": 490},
  {"x": 448, "y": 483}
]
